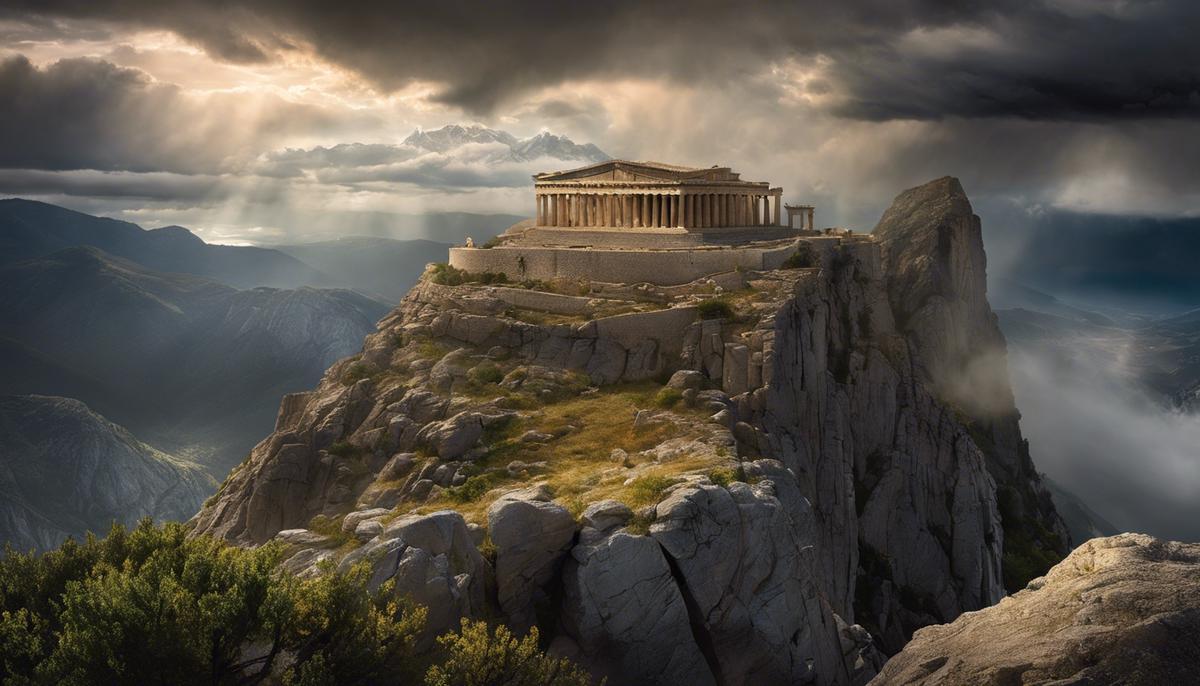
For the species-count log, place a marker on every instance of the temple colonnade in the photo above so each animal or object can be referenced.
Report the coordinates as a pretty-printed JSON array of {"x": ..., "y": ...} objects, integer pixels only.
[{"x": 699, "y": 210}]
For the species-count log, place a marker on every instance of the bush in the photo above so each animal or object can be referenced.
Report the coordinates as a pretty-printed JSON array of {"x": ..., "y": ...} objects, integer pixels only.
[
  {"x": 357, "y": 372},
  {"x": 715, "y": 309},
  {"x": 647, "y": 490},
  {"x": 486, "y": 373},
  {"x": 668, "y": 398},
  {"x": 804, "y": 258},
  {"x": 446, "y": 275},
  {"x": 344, "y": 450},
  {"x": 154, "y": 606},
  {"x": 477, "y": 657}
]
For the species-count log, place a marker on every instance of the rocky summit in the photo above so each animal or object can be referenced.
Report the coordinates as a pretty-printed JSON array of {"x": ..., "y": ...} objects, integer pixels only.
[
  {"x": 1118, "y": 610},
  {"x": 767, "y": 476}
]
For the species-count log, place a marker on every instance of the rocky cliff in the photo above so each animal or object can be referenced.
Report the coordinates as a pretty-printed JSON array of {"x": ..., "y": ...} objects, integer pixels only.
[
  {"x": 757, "y": 476},
  {"x": 1119, "y": 610},
  {"x": 65, "y": 471}
]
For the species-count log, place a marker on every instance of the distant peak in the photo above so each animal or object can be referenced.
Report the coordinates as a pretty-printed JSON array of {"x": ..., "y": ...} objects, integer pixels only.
[{"x": 176, "y": 232}]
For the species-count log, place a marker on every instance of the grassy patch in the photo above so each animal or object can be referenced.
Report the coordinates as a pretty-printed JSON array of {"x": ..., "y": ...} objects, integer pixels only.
[
  {"x": 486, "y": 373},
  {"x": 475, "y": 487},
  {"x": 357, "y": 372},
  {"x": 715, "y": 308},
  {"x": 344, "y": 450},
  {"x": 579, "y": 468},
  {"x": 723, "y": 476},
  {"x": 331, "y": 529},
  {"x": 648, "y": 490},
  {"x": 668, "y": 397}
]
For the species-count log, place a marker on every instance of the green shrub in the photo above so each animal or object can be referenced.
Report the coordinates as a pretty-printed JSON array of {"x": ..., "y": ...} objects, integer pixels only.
[
  {"x": 647, "y": 490},
  {"x": 357, "y": 372},
  {"x": 474, "y": 487},
  {"x": 344, "y": 450},
  {"x": 723, "y": 476},
  {"x": 153, "y": 606},
  {"x": 804, "y": 258},
  {"x": 486, "y": 373},
  {"x": 476, "y": 656},
  {"x": 668, "y": 397},
  {"x": 715, "y": 309},
  {"x": 446, "y": 275}
]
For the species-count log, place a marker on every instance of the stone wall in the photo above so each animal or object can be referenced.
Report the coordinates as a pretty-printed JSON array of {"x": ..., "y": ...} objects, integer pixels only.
[{"x": 618, "y": 266}]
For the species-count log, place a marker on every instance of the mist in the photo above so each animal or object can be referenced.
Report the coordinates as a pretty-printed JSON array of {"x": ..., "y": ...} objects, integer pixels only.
[{"x": 1130, "y": 458}]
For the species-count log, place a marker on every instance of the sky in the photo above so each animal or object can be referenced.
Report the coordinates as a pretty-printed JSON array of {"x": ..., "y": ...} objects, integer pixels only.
[{"x": 222, "y": 117}]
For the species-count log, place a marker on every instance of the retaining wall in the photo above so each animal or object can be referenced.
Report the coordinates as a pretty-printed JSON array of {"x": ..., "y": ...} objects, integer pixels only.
[{"x": 664, "y": 267}]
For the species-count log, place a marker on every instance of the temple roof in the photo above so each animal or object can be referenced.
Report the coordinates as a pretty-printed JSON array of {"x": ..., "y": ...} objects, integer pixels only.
[{"x": 627, "y": 170}]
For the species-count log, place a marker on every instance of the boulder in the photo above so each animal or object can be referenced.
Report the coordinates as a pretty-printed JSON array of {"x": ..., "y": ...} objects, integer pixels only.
[
  {"x": 1117, "y": 610},
  {"x": 606, "y": 515},
  {"x": 532, "y": 535},
  {"x": 352, "y": 520},
  {"x": 624, "y": 611},
  {"x": 454, "y": 438},
  {"x": 686, "y": 379},
  {"x": 747, "y": 576},
  {"x": 434, "y": 561}
]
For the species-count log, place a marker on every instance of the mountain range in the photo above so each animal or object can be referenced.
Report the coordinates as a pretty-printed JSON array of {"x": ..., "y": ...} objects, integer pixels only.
[
  {"x": 65, "y": 471},
  {"x": 192, "y": 364},
  {"x": 543, "y": 145}
]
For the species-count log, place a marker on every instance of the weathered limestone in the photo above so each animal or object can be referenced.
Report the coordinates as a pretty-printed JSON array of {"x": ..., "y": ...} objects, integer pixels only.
[
  {"x": 626, "y": 615},
  {"x": 532, "y": 535},
  {"x": 1119, "y": 610}
]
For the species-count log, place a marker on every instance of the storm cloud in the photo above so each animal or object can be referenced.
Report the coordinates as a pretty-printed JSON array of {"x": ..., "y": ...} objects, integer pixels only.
[
  {"x": 924, "y": 59},
  {"x": 84, "y": 113}
]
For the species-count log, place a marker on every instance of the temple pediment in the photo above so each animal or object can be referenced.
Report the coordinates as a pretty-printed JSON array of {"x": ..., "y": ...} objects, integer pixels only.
[{"x": 627, "y": 171}]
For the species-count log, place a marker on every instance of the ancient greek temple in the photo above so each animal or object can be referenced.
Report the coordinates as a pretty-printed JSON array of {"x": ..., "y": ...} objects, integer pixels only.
[{"x": 650, "y": 195}]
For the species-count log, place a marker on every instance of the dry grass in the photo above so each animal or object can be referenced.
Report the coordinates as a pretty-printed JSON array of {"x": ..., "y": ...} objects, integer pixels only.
[{"x": 580, "y": 469}]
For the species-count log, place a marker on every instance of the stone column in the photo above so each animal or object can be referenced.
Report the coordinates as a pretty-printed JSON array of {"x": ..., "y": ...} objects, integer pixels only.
[
  {"x": 689, "y": 211},
  {"x": 811, "y": 221},
  {"x": 778, "y": 198},
  {"x": 674, "y": 210},
  {"x": 664, "y": 215}
]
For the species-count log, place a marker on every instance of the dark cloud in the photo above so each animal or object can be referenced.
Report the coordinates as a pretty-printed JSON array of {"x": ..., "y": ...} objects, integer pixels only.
[
  {"x": 1136, "y": 63},
  {"x": 485, "y": 53},
  {"x": 90, "y": 114}
]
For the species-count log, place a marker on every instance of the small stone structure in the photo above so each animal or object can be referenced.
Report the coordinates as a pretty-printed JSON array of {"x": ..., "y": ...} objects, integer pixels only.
[
  {"x": 805, "y": 212},
  {"x": 634, "y": 222}
]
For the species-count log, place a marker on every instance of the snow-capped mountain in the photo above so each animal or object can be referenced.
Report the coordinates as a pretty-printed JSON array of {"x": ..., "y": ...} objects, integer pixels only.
[
  {"x": 454, "y": 135},
  {"x": 544, "y": 145},
  {"x": 452, "y": 157}
]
